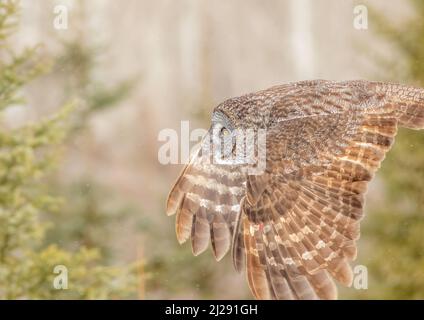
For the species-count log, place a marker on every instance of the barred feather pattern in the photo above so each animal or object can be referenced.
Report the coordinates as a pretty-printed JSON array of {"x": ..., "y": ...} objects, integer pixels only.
[
  {"x": 206, "y": 199},
  {"x": 294, "y": 227}
]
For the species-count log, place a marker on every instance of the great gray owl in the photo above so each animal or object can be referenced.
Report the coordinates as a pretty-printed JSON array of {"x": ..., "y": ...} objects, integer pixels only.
[{"x": 294, "y": 225}]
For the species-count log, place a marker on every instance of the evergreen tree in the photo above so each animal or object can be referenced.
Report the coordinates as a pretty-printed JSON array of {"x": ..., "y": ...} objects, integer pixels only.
[{"x": 29, "y": 269}]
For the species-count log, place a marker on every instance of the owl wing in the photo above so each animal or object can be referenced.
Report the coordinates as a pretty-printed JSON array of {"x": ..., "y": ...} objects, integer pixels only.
[
  {"x": 300, "y": 219},
  {"x": 206, "y": 199}
]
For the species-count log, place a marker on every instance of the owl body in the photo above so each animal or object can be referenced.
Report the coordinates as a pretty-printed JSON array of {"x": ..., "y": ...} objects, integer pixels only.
[{"x": 294, "y": 224}]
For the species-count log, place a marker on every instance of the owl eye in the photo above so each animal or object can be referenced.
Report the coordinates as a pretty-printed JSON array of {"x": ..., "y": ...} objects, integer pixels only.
[{"x": 224, "y": 132}]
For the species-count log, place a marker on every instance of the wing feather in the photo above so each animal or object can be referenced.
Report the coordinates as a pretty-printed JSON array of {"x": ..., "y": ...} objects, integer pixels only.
[
  {"x": 295, "y": 226},
  {"x": 206, "y": 201},
  {"x": 313, "y": 195}
]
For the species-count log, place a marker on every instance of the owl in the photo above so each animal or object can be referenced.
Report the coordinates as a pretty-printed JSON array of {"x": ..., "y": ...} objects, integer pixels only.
[{"x": 292, "y": 219}]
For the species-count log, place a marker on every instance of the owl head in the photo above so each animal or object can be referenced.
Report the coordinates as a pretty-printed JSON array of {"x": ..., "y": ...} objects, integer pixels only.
[{"x": 237, "y": 134}]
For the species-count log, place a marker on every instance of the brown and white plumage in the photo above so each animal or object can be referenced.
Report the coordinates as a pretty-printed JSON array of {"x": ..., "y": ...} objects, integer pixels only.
[{"x": 295, "y": 225}]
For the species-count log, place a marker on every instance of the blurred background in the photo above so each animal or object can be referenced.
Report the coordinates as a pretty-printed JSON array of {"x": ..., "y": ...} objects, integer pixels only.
[{"x": 82, "y": 105}]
